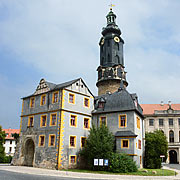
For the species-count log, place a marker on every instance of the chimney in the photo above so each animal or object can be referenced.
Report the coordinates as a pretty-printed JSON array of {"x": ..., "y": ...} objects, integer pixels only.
[{"x": 162, "y": 103}]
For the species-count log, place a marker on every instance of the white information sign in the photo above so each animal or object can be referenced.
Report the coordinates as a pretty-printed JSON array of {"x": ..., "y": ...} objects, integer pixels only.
[
  {"x": 95, "y": 162},
  {"x": 100, "y": 162}
]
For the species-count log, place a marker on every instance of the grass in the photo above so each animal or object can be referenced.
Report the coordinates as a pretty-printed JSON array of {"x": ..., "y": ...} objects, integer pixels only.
[{"x": 160, "y": 172}]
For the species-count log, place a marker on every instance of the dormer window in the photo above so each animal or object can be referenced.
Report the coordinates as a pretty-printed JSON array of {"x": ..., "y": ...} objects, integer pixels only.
[{"x": 100, "y": 105}]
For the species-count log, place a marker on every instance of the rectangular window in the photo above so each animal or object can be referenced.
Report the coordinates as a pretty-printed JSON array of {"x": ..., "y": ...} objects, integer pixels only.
[
  {"x": 139, "y": 144},
  {"x": 51, "y": 140},
  {"x": 32, "y": 102},
  {"x": 124, "y": 143},
  {"x": 86, "y": 123},
  {"x": 151, "y": 122},
  {"x": 171, "y": 122},
  {"x": 31, "y": 121},
  {"x": 122, "y": 121},
  {"x": 53, "y": 119},
  {"x": 138, "y": 122},
  {"x": 86, "y": 102},
  {"x": 10, "y": 141},
  {"x": 179, "y": 121},
  {"x": 103, "y": 121},
  {"x": 10, "y": 149},
  {"x": 72, "y": 160},
  {"x": 71, "y": 98},
  {"x": 43, "y": 120},
  {"x": 72, "y": 141},
  {"x": 43, "y": 100},
  {"x": 41, "y": 140},
  {"x": 55, "y": 97},
  {"x": 83, "y": 141},
  {"x": 73, "y": 121},
  {"x": 161, "y": 122}
]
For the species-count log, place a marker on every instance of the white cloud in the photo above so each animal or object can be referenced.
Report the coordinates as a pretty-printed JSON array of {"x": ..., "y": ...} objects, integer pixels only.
[{"x": 60, "y": 39}]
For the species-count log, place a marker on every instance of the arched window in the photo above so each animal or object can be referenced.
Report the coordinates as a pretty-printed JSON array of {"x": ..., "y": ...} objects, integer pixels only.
[
  {"x": 116, "y": 59},
  {"x": 102, "y": 47},
  {"x": 171, "y": 136},
  {"x": 162, "y": 131},
  {"x": 109, "y": 58},
  {"x": 108, "y": 43},
  {"x": 117, "y": 46}
]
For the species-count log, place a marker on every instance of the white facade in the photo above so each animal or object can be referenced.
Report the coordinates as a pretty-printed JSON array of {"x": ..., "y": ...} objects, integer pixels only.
[
  {"x": 166, "y": 118},
  {"x": 10, "y": 146}
]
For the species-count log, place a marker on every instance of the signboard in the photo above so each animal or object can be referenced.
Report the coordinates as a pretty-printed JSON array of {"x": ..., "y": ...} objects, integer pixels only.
[
  {"x": 95, "y": 162},
  {"x": 106, "y": 162},
  {"x": 100, "y": 162},
  {"x": 162, "y": 156}
]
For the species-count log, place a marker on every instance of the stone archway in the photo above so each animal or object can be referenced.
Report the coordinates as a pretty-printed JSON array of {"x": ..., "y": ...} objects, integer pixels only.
[
  {"x": 172, "y": 157},
  {"x": 29, "y": 152}
]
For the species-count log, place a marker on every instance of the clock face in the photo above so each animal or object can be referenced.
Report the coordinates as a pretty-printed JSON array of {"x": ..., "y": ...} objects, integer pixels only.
[
  {"x": 116, "y": 39},
  {"x": 102, "y": 41}
]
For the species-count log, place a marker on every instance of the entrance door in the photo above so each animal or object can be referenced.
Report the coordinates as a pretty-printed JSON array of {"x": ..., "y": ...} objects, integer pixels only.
[
  {"x": 173, "y": 157},
  {"x": 29, "y": 153}
]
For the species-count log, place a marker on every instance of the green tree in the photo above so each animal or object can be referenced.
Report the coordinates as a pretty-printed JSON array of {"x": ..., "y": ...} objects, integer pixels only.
[
  {"x": 99, "y": 144},
  {"x": 16, "y": 137},
  {"x": 155, "y": 145},
  {"x": 2, "y": 139}
]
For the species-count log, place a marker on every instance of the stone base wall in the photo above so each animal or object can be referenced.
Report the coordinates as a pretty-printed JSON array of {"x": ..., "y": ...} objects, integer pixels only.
[{"x": 108, "y": 86}]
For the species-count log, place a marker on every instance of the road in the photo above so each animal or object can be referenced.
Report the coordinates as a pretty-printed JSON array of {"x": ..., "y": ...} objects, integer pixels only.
[
  {"x": 6, "y": 175},
  {"x": 31, "y": 173}
]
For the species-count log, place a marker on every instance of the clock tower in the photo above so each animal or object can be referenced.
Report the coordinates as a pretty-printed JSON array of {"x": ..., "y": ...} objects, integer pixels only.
[{"x": 111, "y": 70}]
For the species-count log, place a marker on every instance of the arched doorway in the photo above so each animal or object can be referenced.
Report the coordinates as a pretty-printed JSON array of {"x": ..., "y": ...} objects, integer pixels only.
[
  {"x": 172, "y": 157},
  {"x": 29, "y": 152}
]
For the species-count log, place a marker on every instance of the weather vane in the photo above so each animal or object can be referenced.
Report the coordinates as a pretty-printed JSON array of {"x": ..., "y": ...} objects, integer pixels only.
[{"x": 111, "y": 5}]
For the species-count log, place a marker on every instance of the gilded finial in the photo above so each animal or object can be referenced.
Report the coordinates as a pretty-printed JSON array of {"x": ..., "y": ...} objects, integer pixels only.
[{"x": 111, "y": 5}]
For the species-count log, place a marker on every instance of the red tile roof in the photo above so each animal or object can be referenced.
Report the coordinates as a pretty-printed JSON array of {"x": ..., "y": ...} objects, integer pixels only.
[
  {"x": 150, "y": 108},
  {"x": 9, "y": 132}
]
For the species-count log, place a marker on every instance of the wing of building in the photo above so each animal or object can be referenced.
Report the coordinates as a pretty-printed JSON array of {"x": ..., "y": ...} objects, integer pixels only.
[
  {"x": 165, "y": 117},
  {"x": 54, "y": 124}
]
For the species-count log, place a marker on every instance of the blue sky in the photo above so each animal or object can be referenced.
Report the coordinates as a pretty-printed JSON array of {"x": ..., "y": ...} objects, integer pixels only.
[{"x": 58, "y": 40}]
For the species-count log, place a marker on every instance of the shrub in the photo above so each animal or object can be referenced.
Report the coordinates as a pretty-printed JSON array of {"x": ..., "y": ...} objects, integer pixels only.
[
  {"x": 121, "y": 163},
  {"x": 7, "y": 159}
]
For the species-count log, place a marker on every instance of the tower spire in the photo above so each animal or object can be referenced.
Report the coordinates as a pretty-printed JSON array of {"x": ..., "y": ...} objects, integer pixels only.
[{"x": 111, "y": 70}]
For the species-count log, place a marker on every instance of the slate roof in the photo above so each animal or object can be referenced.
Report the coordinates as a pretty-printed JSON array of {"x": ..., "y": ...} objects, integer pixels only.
[
  {"x": 150, "y": 108},
  {"x": 125, "y": 134},
  {"x": 121, "y": 100},
  {"x": 53, "y": 86}
]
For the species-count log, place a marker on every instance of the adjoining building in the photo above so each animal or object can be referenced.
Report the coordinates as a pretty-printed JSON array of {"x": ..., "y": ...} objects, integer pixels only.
[
  {"x": 10, "y": 141},
  {"x": 165, "y": 117},
  {"x": 55, "y": 122},
  {"x": 114, "y": 105}
]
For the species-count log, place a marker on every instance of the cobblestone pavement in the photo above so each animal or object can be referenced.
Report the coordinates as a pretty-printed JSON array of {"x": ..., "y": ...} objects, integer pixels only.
[
  {"x": 173, "y": 166},
  {"x": 70, "y": 175}
]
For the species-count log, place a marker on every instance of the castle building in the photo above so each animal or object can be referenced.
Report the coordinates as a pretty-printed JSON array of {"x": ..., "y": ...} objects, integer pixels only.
[
  {"x": 55, "y": 122},
  {"x": 115, "y": 106},
  {"x": 10, "y": 141},
  {"x": 56, "y": 119},
  {"x": 165, "y": 117}
]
